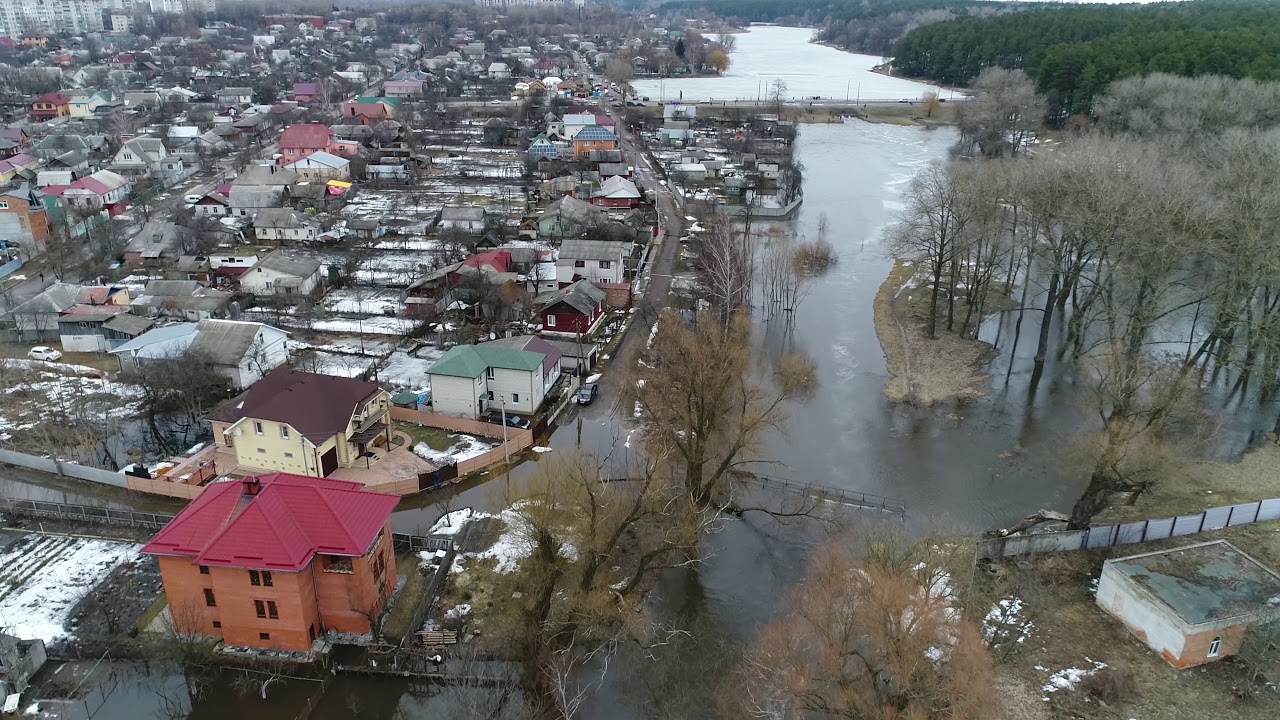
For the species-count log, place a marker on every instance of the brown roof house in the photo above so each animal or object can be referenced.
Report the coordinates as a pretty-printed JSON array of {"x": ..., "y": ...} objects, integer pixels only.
[
  {"x": 301, "y": 422},
  {"x": 1193, "y": 604}
]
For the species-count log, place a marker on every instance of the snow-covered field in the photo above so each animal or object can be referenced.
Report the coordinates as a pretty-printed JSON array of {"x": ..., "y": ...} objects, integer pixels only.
[
  {"x": 37, "y": 391},
  {"x": 376, "y": 325},
  {"x": 362, "y": 301},
  {"x": 42, "y": 577},
  {"x": 465, "y": 447},
  {"x": 409, "y": 371}
]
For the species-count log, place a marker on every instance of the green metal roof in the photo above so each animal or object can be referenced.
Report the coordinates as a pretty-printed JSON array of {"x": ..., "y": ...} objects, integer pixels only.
[{"x": 472, "y": 360}]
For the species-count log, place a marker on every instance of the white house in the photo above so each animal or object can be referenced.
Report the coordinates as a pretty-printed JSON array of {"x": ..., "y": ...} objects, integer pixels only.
[
  {"x": 321, "y": 165},
  {"x": 147, "y": 157},
  {"x": 240, "y": 351},
  {"x": 103, "y": 189},
  {"x": 283, "y": 225},
  {"x": 594, "y": 260},
  {"x": 499, "y": 71},
  {"x": 281, "y": 274},
  {"x": 470, "y": 219},
  {"x": 470, "y": 380}
]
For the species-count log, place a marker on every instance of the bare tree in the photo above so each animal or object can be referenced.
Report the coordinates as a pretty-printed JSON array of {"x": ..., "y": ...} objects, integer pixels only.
[
  {"x": 1005, "y": 113},
  {"x": 872, "y": 632},
  {"x": 708, "y": 407},
  {"x": 572, "y": 608}
]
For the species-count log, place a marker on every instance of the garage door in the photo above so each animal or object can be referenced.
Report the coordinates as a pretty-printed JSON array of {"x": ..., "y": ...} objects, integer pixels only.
[{"x": 329, "y": 462}]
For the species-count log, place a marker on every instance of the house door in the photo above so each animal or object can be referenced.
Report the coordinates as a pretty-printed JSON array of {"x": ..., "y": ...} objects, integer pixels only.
[{"x": 329, "y": 462}]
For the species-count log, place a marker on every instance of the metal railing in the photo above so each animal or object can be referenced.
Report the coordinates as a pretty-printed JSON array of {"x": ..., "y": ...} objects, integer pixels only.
[
  {"x": 84, "y": 513},
  {"x": 839, "y": 496}
]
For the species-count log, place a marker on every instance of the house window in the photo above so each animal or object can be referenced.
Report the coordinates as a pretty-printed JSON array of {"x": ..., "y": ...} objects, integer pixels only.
[
  {"x": 204, "y": 569},
  {"x": 515, "y": 398},
  {"x": 255, "y": 578},
  {"x": 260, "y": 608},
  {"x": 264, "y": 636},
  {"x": 266, "y": 578},
  {"x": 1215, "y": 646},
  {"x": 4, "y": 204},
  {"x": 262, "y": 451},
  {"x": 579, "y": 263},
  {"x": 128, "y": 156},
  {"x": 272, "y": 612},
  {"x": 289, "y": 455},
  {"x": 551, "y": 321},
  {"x": 208, "y": 598},
  {"x": 257, "y": 427},
  {"x": 217, "y": 624},
  {"x": 605, "y": 264},
  {"x": 489, "y": 373},
  {"x": 284, "y": 431}
]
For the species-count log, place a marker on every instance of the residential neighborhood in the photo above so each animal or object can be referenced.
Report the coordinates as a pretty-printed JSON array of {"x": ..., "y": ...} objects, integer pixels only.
[{"x": 559, "y": 359}]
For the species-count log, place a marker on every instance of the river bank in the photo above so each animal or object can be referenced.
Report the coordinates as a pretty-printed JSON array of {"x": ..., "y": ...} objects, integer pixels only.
[{"x": 923, "y": 370}]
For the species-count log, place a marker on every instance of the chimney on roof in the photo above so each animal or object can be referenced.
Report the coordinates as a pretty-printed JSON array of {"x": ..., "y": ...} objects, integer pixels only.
[{"x": 251, "y": 486}]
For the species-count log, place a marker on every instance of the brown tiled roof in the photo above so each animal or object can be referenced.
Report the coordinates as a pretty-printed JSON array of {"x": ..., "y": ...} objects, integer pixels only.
[{"x": 318, "y": 406}]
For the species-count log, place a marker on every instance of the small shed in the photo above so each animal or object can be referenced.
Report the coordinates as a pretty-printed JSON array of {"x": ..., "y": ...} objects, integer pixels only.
[{"x": 1193, "y": 604}]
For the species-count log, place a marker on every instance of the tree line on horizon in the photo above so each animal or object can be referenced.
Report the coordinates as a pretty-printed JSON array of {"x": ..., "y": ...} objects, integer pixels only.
[{"x": 1074, "y": 53}]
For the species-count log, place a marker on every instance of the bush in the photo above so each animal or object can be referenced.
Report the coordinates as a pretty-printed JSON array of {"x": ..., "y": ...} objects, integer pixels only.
[
  {"x": 813, "y": 258},
  {"x": 1111, "y": 684}
]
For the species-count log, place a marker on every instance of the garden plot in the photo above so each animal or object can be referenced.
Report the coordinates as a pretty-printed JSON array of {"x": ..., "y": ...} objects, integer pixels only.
[
  {"x": 362, "y": 301},
  {"x": 331, "y": 363},
  {"x": 377, "y": 325},
  {"x": 42, "y": 577},
  {"x": 405, "y": 210},
  {"x": 36, "y": 392},
  {"x": 409, "y": 370},
  {"x": 464, "y": 447}
]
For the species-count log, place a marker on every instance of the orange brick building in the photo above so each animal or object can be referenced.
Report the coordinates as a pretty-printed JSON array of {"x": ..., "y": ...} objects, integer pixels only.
[{"x": 276, "y": 561}]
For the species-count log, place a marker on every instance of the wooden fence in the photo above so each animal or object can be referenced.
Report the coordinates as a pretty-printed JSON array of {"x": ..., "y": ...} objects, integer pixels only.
[
  {"x": 1139, "y": 531},
  {"x": 156, "y": 486}
]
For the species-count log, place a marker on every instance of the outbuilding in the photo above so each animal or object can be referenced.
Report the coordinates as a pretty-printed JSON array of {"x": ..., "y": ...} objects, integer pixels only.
[{"x": 1194, "y": 604}]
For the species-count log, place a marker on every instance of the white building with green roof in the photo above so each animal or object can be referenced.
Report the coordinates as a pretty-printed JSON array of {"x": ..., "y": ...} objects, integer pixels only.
[{"x": 469, "y": 380}]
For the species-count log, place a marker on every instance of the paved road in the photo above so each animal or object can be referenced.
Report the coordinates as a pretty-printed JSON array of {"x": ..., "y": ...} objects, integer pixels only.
[{"x": 657, "y": 287}]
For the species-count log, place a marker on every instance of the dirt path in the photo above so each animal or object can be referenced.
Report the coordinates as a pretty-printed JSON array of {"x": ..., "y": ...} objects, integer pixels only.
[{"x": 923, "y": 371}]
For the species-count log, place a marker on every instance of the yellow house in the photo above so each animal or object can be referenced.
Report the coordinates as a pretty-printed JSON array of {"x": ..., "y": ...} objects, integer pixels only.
[
  {"x": 303, "y": 423},
  {"x": 83, "y": 107}
]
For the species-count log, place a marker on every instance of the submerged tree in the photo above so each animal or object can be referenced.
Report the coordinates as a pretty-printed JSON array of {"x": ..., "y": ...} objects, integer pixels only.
[
  {"x": 593, "y": 547},
  {"x": 709, "y": 407}
]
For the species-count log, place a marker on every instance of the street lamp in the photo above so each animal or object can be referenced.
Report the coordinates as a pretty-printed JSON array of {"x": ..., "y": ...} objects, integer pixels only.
[{"x": 506, "y": 451}]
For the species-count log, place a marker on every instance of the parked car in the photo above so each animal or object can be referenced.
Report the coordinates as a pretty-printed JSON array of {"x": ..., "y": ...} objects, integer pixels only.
[
  {"x": 587, "y": 393},
  {"x": 514, "y": 421},
  {"x": 40, "y": 352}
]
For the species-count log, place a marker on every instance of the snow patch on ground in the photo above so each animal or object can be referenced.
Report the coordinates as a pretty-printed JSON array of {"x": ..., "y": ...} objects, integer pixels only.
[
  {"x": 406, "y": 370},
  {"x": 465, "y": 448},
  {"x": 41, "y": 580},
  {"x": 451, "y": 523},
  {"x": 540, "y": 450},
  {"x": 1006, "y": 621},
  {"x": 1069, "y": 678}
]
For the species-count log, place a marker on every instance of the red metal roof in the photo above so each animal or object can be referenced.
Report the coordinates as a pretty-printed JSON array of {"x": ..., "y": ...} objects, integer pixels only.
[
  {"x": 498, "y": 260},
  {"x": 305, "y": 136},
  {"x": 283, "y": 526}
]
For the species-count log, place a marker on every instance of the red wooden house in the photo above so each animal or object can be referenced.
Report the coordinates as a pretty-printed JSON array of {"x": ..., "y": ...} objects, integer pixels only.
[{"x": 573, "y": 309}]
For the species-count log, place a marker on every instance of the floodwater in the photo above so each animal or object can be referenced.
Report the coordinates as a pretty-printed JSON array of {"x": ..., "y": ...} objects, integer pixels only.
[{"x": 766, "y": 53}]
